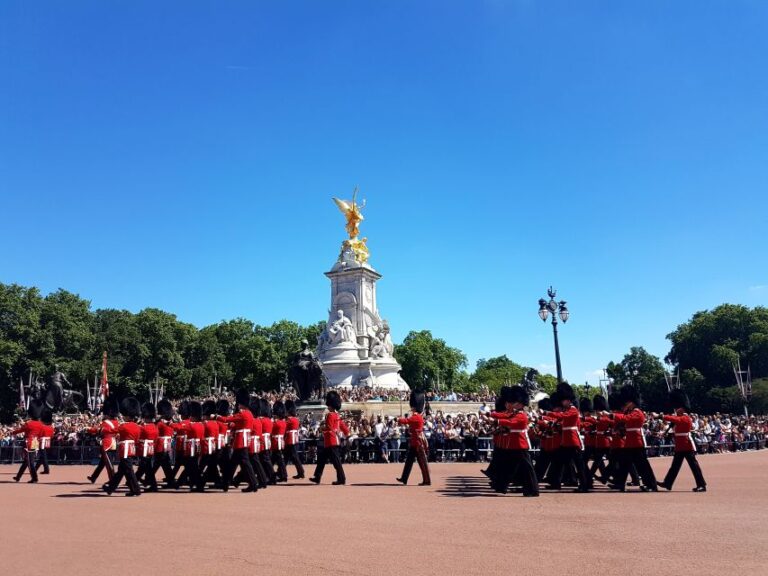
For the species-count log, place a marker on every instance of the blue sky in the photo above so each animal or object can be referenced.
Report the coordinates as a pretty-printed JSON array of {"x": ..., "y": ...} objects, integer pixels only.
[{"x": 183, "y": 156}]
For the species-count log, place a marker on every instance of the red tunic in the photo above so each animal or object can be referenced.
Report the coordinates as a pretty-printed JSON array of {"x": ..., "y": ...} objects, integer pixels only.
[
  {"x": 164, "y": 437},
  {"x": 291, "y": 431},
  {"x": 602, "y": 433},
  {"x": 129, "y": 434},
  {"x": 633, "y": 427},
  {"x": 683, "y": 425},
  {"x": 415, "y": 424},
  {"x": 45, "y": 437},
  {"x": 32, "y": 431},
  {"x": 240, "y": 425},
  {"x": 181, "y": 435},
  {"x": 148, "y": 439},
  {"x": 210, "y": 437},
  {"x": 551, "y": 436},
  {"x": 223, "y": 437},
  {"x": 588, "y": 426},
  {"x": 266, "y": 433},
  {"x": 194, "y": 440},
  {"x": 256, "y": 445},
  {"x": 517, "y": 425},
  {"x": 107, "y": 430},
  {"x": 333, "y": 424},
  {"x": 278, "y": 434},
  {"x": 569, "y": 420}
]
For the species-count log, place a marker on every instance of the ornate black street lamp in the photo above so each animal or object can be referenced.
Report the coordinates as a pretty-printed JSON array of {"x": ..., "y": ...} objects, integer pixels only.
[{"x": 555, "y": 308}]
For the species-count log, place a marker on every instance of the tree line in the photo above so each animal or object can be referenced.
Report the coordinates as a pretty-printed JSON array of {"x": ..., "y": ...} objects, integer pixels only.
[{"x": 38, "y": 332}]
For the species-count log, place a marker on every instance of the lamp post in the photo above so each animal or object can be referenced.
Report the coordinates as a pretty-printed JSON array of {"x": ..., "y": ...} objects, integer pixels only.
[{"x": 555, "y": 308}]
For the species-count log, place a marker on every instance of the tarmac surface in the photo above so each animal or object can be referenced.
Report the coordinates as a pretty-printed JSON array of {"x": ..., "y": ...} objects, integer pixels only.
[{"x": 64, "y": 525}]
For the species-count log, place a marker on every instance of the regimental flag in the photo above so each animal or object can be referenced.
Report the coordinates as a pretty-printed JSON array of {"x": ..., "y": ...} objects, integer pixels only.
[{"x": 104, "y": 380}]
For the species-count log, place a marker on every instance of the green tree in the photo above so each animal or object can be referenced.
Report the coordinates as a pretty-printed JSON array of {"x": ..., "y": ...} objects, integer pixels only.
[
  {"x": 494, "y": 373},
  {"x": 646, "y": 372},
  {"x": 427, "y": 360}
]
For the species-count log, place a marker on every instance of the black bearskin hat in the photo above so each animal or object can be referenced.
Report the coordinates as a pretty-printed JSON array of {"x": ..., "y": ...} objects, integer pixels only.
[
  {"x": 255, "y": 407},
  {"x": 417, "y": 401},
  {"x": 196, "y": 410},
  {"x": 130, "y": 408},
  {"x": 545, "y": 404},
  {"x": 165, "y": 409},
  {"x": 566, "y": 392},
  {"x": 278, "y": 409},
  {"x": 243, "y": 397},
  {"x": 209, "y": 408},
  {"x": 333, "y": 400},
  {"x": 47, "y": 417},
  {"x": 266, "y": 409},
  {"x": 148, "y": 412},
  {"x": 222, "y": 407},
  {"x": 504, "y": 393},
  {"x": 290, "y": 407},
  {"x": 35, "y": 409},
  {"x": 515, "y": 394},
  {"x": 585, "y": 405},
  {"x": 500, "y": 404},
  {"x": 599, "y": 403},
  {"x": 184, "y": 409},
  {"x": 111, "y": 408},
  {"x": 555, "y": 399},
  {"x": 628, "y": 393},
  {"x": 679, "y": 399},
  {"x": 614, "y": 401}
]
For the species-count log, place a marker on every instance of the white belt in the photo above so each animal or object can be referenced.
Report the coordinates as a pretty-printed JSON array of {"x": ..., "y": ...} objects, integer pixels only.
[
  {"x": 256, "y": 443},
  {"x": 191, "y": 444},
  {"x": 45, "y": 443},
  {"x": 166, "y": 440},
  {"x": 147, "y": 448},
  {"x": 126, "y": 444},
  {"x": 280, "y": 442},
  {"x": 682, "y": 433},
  {"x": 246, "y": 435},
  {"x": 221, "y": 440},
  {"x": 570, "y": 428},
  {"x": 294, "y": 435},
  {"x": 210, "y": 444},
  {"x": 633, "y": 430}
]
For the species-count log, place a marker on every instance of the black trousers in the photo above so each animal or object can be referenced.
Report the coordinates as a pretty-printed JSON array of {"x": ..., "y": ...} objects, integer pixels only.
[
  {"x": 26, "y": 463},
  {"x": 543, "y": 463},
  {"x": 598, "y": 463},
  {"x": 514, "y": 464},
  {"x": 265, "y": 456},
  {"x": 147, "y": 472},
  {"x": 636, "y": 457},
  {"x": 125, "y": 470},
  {"x": 104, "y": 463},
  {"x": 330, "y": 454},
  {"x": 677, "y": 462},
  {"x": 420, "y": 455},
  {"x": 42, "y": 460},
  {"x": 565, "y": 457},
  {"x": 180, "y": 470},
  {"x": 163, "y": 460},
  {"x": 282, "y": 473},
  {"x": 292, "y": 457},
  {"x": 240, "y": 458},
  {"x": 210, "y": 469},
  {"x": 192, "y": 468}
]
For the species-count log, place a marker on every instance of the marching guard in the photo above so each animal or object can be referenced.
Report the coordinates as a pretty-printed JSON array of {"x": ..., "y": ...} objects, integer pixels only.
[
  {"x": 685, "y": 449},
  {"x": 417, "y": 443},
  {"x": 129, "y": 434},
  {"x": 108, "y": 432},
  {"x": 163, "y": 444},
  {"x": 278, "y": 441},
  {"x": 46, "y": 438},
  {"x": 332, "y": 426},
  {"x": 32, "y": 429},
  {"x": 146, "y": 447},
  {"x": 240, "y": 424},
  {"x": 292, "y": 439}
]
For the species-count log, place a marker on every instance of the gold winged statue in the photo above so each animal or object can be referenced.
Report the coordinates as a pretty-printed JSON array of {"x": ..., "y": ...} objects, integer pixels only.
[{"x": 353, "y": 213}]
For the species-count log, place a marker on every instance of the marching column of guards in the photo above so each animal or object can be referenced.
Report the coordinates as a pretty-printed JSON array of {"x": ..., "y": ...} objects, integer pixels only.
[{"x": 218, "y": 448}]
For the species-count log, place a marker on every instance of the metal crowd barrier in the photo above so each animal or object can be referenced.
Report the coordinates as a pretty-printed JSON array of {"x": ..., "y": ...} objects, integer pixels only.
[{"x": 368, "y": 450}]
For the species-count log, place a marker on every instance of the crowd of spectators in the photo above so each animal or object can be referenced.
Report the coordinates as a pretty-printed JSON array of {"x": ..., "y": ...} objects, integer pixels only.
[{"x": 368, "y": 394}]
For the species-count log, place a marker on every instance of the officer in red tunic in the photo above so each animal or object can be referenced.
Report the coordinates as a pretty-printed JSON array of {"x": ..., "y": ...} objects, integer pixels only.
[
  {"x": 210, "y": 469},
  {"x": 265, "y": 454},
  {"x": 278, "y": 441},
  {"x": 193, "y": 446},
  {"x": 292, "y": 439},
  {"x": 108, "y": 432},
  {"x": 602, "y": 439},
  {"x": 588, "y": 433},
  {"x": 633, "y": 453},
  {"x": 515, "y": 455},
  {"x": 145, "y": 449},
  {"x": 180, "y": 428},
  {"x": 129, "y": 435},
  {"x": 570, "y": 451},
  {"x": 685, "y": 449},
  {"x": 32, "y": 429},
  {"x": 224, "y": 441},
  {"x": 164, "y": 442},
  {"x": 492, "y": 470},
  {"x": 256, "y": 446},
  {"x": 549, "y": 438},
  {"x": 332, "y": 426},
  {"x": 46, "y": 438},
  {"x": 417, "y": 443},
  {"x": 240, "y": 426}
]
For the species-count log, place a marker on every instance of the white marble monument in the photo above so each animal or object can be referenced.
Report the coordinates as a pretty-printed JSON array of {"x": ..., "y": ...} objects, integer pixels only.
[{"x": 356, "y": 349}]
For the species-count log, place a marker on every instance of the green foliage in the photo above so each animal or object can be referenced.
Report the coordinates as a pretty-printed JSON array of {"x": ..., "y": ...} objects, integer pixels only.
[
  {"x": 494, "y": 373},
  {"x": 425, "y": 360},
  {"x": 646, "y": 372}
]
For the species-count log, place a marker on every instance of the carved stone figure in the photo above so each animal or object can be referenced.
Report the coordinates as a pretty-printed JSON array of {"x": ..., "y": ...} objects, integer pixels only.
[
  {"x": 341, "y": 330},
  {"x": 529, "y": 381},
  {"x": 305, "y": 372}
]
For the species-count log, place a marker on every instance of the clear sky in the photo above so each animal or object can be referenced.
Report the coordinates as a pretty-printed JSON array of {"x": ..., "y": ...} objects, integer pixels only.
[{"x": 182, "y": 155}]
